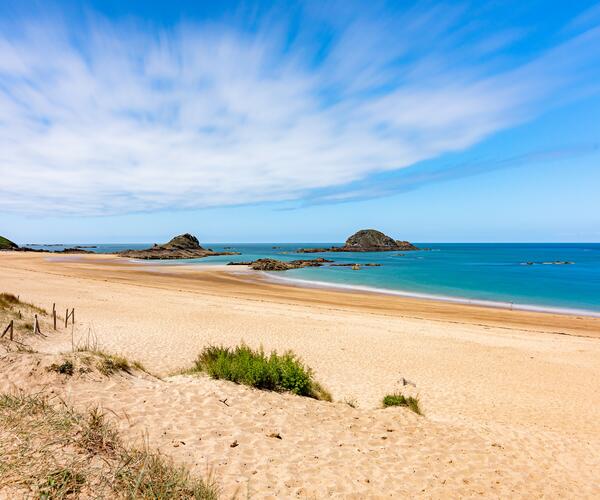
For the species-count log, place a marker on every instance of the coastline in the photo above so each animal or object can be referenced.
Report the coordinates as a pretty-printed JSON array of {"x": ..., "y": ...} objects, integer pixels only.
[
  {"x": 222, "y": 281},
  {"x": 434, "y": 297},
  {"x": 504, "y": 393}
]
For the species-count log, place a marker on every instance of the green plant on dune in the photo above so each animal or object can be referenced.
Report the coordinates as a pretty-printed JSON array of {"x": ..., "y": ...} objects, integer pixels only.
[
  {"x": 398, "y": 399},
  {"x": 273, "y": 371}
]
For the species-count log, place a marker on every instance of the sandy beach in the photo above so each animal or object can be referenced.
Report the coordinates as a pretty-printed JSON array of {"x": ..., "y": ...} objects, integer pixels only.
[{"x": 511, "y": 399}]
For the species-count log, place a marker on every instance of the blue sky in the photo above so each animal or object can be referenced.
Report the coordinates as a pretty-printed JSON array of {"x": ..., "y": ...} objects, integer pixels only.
[{"x": 299, "y": 121}]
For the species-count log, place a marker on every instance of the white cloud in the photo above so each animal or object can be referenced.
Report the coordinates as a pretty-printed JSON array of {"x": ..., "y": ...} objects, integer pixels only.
[{"x": 123, "y": 120}]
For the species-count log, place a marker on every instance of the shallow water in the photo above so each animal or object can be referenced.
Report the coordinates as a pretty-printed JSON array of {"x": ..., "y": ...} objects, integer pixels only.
[{"x": 470, "y": 271}]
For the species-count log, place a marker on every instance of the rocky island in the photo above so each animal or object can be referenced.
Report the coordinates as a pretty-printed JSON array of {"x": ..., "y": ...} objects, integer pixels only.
[
  {"x": 184, "y": 246},
  {"x": 366, "y": 240},
  {"x": 280, "y": 265},
  {"x": 6, "y": 244}
]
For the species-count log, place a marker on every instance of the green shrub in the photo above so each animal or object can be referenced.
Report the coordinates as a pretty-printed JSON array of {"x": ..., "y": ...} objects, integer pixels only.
[
  {"x": 398, "y": 399},
  {"x": 273, "y": 372}
]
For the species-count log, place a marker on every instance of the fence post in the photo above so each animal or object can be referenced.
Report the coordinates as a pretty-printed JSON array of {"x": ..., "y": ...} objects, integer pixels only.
[
  {"x": 73, "y": 315},
  {"x": 66, "y": 317},
  {"x": 8, "y": 328},
  {"x": 54, "y": 315}
]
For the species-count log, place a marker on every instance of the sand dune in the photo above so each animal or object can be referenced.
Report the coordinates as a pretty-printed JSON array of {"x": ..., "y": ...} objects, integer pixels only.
[{"x": 511, "y": 407}]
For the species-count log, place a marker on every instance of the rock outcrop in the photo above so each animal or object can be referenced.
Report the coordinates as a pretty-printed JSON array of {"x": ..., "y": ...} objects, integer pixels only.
[
  {"x": 6, "y": 244},
  {"x": 280, "y": 265},
  {"x": 184, "y": 246},
  {"x": 354, "y": 264},
  {"x": 366, "y": 240}
]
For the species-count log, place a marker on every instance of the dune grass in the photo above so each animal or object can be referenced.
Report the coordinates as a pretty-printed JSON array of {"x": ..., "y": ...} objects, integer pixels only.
[
  {"x": 398, "y": 399},
  {"x": 273, "y": 371},
  {"x": 8, "y": 300},
  {"x": 50, "y": 451}
]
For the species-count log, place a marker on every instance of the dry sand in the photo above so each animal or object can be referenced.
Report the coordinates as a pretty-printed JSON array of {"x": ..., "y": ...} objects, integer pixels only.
[{"x": 511, "y": 399}]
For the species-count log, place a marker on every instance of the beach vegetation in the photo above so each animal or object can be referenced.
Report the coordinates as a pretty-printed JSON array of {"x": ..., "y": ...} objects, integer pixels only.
[
  {"x": 109, "y": 364},
  {"x": 397, "y": 399},
  {"x": 274, "y": 372},
  {"x": 7, "y": 300},
  {"x": 351, "y": 402},
  {"x": 51, "y": 451},
  {"x": 64, "y": 368}
]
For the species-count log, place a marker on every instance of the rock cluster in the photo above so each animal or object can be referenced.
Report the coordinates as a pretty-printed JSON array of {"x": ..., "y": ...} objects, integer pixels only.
[
  {"x": 184, "y": 246},
  {"x": 552, "y": 263},
  {"x": 280, "y": 265},
  {"x": 366, "y": 240}
]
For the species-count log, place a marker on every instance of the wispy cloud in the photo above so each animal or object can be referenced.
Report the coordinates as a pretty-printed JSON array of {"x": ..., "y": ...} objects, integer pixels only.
[
  {"x": 109, "y": 118},
  {"x": 390, "y": 183}
]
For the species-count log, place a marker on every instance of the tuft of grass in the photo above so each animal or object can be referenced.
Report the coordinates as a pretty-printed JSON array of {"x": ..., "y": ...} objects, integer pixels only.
[
  {"x": 398, "y": 399},
  {"x": 64, "y": 368},
  {"x": 49, "y": 451},
  {"x": 273, "y": 372},
  {"x": 106, "y": 363},
  {"x": 150, "y": 476},
  {"x": 62, "y": 483},
  {"x": 110, "y": 363},
  {"x": 351, "y": 402}
]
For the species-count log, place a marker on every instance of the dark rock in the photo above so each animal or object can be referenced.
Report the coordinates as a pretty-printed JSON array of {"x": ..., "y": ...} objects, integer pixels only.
[
  {"x": 270, "y": 265},
  {"x": 184, "y": 246},
  {"x": 366, "y": 240},
  {"x": 370, "y": 264},
  {"x": 78, "y": 250},
  {"x": 280, "y": 265},
  {"x": 552, "y": 263}
]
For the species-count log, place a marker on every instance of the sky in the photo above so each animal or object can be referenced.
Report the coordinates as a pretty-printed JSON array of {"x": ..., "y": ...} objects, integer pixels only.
[{"x": 289, "y": 121}]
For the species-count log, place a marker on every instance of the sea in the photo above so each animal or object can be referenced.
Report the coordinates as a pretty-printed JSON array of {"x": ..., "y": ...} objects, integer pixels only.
[{"x": 559, "y": 277}]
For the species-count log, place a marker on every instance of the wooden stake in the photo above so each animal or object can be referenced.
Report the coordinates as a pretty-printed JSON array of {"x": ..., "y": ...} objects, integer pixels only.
[
  {"x": 54, "y": 315},
  {"x": 73, "y": 315},
  {"x": 66, "y": 317},
  {"x": 9, "y": 327},
  {"x": 36, "y": 326}
]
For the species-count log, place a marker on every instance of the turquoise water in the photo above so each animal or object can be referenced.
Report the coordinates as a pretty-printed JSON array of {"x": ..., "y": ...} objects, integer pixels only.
[{"x": 473, "y": 272}]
